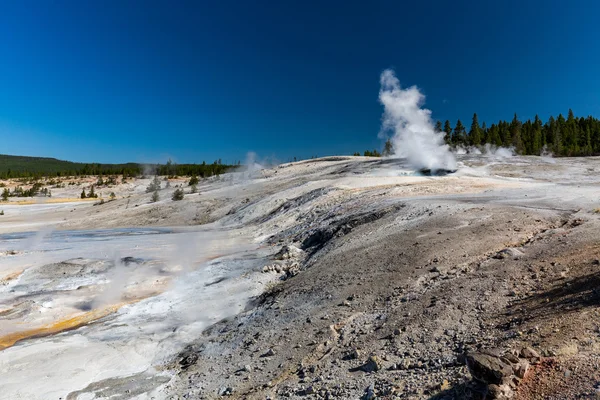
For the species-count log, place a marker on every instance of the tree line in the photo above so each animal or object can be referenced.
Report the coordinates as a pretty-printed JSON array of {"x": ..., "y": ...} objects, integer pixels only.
[
  {"x": 37, "y": 167},
  {"x": 571, "y": 136}
]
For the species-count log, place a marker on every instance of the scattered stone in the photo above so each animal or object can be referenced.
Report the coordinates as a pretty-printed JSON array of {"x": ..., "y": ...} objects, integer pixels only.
[
  {"x": 445, "y": 385},
  {"x": 369, "y": 393},
  {"x": 289, "y": 252},
  {"x": 352, "y": 355},
  {"x": 373, "y": 364},
  {"x": 227, "y": 391},
  {"x": 269, "y": 353},
  {"x": 189, "y": 358}
]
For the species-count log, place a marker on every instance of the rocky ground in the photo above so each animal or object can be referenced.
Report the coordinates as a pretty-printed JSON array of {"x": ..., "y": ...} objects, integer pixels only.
[
  {"x": 391, "y": 292},
  {"x": 387, "y": 284}
]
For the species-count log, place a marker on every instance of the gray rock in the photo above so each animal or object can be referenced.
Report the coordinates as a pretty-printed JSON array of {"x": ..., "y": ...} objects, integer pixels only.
[
  {"x": 530, "y": 354},
  {"x": 521, "y": 368},
  {"x": 488, "y": 369},
  {"x": 369, "y": 393},
  {"x": 269, "y": 353},
  {"x": 373, "y": 364},
  {"x": 499, "y": 392},
  {"x": 226, "y": 391},
  {"x": 509, "y": 252}
]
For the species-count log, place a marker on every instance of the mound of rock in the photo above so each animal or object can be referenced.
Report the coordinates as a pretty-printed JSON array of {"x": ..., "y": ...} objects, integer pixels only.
[
  {"x": 502, "y": 373},
  {"x": 289, "y": 252}
]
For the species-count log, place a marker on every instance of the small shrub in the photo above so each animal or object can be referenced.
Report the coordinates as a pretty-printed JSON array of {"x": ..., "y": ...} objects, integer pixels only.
[
  {"x": 155, "y": 197},
  {"x": 193, "y": 181},
  {"x": 83, "y": 196},
  {"x": 177, "y": 195},
  {"x": 92, "y": 194},
  {"x": 193, "y": 189},
  {"x": 154, "y": 185},
  {"x": 112, "y": 195}
]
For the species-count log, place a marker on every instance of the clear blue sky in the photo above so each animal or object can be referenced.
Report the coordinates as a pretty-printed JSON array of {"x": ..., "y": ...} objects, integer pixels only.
[{"x": 113, "y": 81}]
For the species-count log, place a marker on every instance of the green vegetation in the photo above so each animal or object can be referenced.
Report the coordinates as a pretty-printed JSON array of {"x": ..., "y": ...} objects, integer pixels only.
[
  {"x": 177, "y": 195},
  {"x": 571, "y": 136},
  {"x": 369, "y": 153},
  {"x": 155, "y": 197},
  {"x": 36, "y": 167},
  {"x": 34, "y": 190},
  {"x": 193, "y": 181},
  {"x": 154, "y": 185}
]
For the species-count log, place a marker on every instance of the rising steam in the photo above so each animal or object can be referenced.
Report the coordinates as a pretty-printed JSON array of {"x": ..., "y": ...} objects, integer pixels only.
[{"x": 413, "y": 135}]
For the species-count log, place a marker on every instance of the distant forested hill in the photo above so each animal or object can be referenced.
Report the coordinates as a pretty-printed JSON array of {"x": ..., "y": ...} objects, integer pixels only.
[{"x": 25, "y": 167}]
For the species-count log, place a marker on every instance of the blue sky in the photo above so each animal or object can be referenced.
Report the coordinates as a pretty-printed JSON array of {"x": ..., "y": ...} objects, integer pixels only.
[{"x": 142, "y": 81}]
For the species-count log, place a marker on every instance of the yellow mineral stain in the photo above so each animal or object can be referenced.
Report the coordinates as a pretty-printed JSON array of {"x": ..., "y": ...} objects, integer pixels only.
[
  {"x": 52, "y": 200},
  {"x": 72, "y": 322},
  {"x": 13, "y": 275}
]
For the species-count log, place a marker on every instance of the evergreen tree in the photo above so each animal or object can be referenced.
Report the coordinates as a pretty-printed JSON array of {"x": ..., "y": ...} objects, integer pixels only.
[
  {"x": 475, "y": 132},
  {"x": 154, "y": 197},
  {"x": 485, "y": 134},
  {"x": 537, "y": 136},
  {"x": 559, "y": 133},
  {"x": 388, "y": 148},
  {"x": 154, "y": 185},
  {"x": 515, "y": 134},
  {"x": 460, "y": 135},
  {"x": 448, "y": 132},
  {"x": 571, "y": 133},
  {"x": 438, "y": 126},
  {"x": 5, "y": 194},
  {"x": 504, "y": 132},
  {"x": 177, "y": 195}
]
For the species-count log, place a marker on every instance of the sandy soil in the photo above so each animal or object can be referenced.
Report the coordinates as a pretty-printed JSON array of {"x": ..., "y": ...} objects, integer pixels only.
[{"x": 347, "y": 259}]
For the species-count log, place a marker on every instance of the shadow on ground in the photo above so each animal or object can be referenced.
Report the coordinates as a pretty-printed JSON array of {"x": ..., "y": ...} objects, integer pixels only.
[{"x": 566, "y": 296}]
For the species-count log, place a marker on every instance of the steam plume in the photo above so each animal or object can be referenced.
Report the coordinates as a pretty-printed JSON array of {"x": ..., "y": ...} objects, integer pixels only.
[{"x": 414, "y": 137}]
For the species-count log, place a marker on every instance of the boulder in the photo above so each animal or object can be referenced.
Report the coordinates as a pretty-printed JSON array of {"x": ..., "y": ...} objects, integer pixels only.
[
  {"x": 509, "y": 252},
  {"x": 488, "y": 369},
  {"x": 521, "y": 368},
  {"x": 373, "y": 364},
  {"x": 531, "y": 355}
]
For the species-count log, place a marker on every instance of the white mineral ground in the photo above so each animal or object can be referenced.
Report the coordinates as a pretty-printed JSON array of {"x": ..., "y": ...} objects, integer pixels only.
[{"x": 94, "y": 292}]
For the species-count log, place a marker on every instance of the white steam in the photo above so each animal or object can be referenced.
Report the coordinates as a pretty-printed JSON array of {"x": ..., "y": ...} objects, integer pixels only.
[{"x": 414, "y": 137}]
